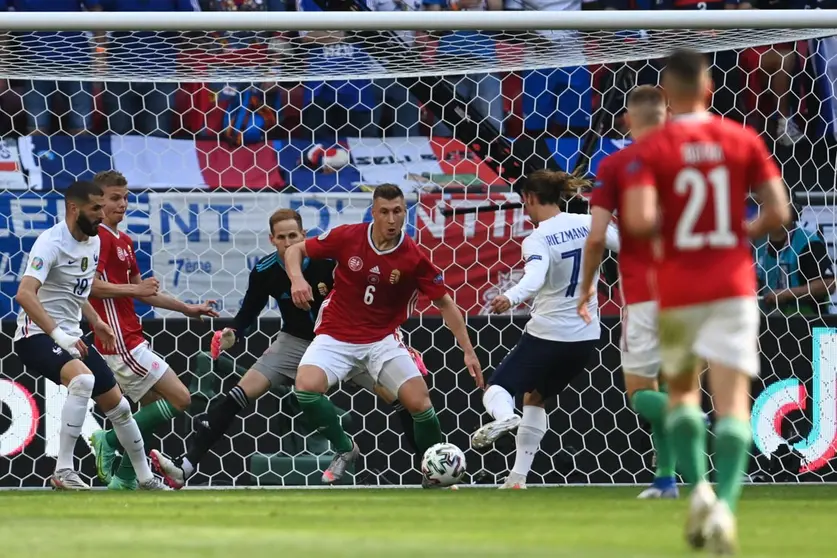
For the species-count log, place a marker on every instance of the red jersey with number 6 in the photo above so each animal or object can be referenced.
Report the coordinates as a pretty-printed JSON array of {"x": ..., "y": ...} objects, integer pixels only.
[
  {"x": 703, "y": 168},
  {"x": 117, "y": 264},
  {"x": 635, "y": 257},
  {"x": 374, "y": 291}
]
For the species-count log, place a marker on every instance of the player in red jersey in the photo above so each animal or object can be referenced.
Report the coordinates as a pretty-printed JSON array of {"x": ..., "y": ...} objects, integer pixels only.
[
  {"x": 142, "y": 374},
  {"x": 639, "y": 344},
  {"x": 380, "y": 272},
  {"x": 689, "y": 186}
]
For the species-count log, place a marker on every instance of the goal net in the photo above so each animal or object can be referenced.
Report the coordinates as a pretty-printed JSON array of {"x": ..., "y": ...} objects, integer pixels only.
[{"x": 215, "y": 130}]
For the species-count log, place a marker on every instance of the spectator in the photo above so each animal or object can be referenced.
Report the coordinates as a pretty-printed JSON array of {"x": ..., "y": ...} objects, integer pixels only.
[
  {"x": 335, "y": 108},
  {"x": 776, "y": 66},
  {"x": 391, "y": 94},
  {"x": 143, "y": 107},
  {"x": 562, "y": 97},
  {"x": 796, "y": 275},
  {"x": 484, "y": 90},
  {"x": 67, "y": 52}
]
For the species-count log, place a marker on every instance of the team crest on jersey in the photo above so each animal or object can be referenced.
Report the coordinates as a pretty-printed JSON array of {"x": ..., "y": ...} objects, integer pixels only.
[
  {"x": 37, "y": 263},
  {"x": 84, "y": 262},
  {"x": 121, "y": 254},
  {"x": 395, "y": 276},
  {"x": 355, "y": 263}
]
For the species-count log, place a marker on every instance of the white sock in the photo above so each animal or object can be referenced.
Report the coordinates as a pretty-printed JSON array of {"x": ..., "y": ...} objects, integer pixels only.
[
  {"x": 73, "y": 414},
  {"x": 498, "y": 403},
  {"x": 129, "y": 436},
  {"x": 187, "y": 467},
  {"x": 529, "y": 435}
]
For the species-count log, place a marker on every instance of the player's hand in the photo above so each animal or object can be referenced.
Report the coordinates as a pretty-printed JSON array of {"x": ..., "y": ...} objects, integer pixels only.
[
  {"x": 104, "y": 333},
  {"x": 301, "y": 295},
  {"x": 70, "y": 343},
  {"x": 221, "y": 341},
  {"x": 500, "y": 304},
  {"x": 148, "y": 287},
  {"x": 79, "y": 350},
  {"x": 200, "y": 310},
  {"x": 583, "y": 301},
  {"x": 472, "y": 363}
]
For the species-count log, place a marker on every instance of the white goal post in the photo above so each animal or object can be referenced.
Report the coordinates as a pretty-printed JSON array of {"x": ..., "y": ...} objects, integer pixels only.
[{"x": 231, "y": 125}]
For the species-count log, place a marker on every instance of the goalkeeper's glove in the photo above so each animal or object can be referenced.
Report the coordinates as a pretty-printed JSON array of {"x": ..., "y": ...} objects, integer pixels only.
[
  {"x": 66, "y": 341},
  {"x": 221, "y": 341}
]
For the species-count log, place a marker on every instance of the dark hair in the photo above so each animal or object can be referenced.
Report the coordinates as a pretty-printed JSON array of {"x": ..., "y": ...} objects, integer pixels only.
[
  {"x": 646, "y": 94},
  {"x": 284, "y": 215},
  {"x": 110, "y": 178},
  {"x": 80, "y": 191},
  {"x": 686, "y": 67},
  {"x": 552, "y": 187},
  {"x": 387, "y": 192}
]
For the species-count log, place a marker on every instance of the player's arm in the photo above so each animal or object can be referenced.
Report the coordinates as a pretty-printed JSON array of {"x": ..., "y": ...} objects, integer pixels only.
[
  {"x": 102, "y": 330},
  {"x": 536, "y": 256},
  {"x": 327, "y": 246},
  {"x": 594, "y": 249},
  {"x": 774, "y": 211},
  {"x": 104, "y": 289},
  {"x": 41, "y": 259},
  {"x": 255, "y": 299},
  {"x": 168, "y": 302},
  {"x": 641, "y": 214}
]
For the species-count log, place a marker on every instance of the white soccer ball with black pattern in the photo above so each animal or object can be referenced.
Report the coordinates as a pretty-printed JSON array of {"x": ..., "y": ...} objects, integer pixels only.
[{"x": 443, "y": 465}]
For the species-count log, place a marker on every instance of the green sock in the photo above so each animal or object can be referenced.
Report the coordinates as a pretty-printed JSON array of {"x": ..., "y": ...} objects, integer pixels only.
[
  {"x": 652, "y": 406},
  {"x": 686, "y": 428},
  {"x": 322, "y": 416},
  {"x": 148, "y": 419},
  {"x": 427, "y": 429},
  {"x": 732, "y": 442}
]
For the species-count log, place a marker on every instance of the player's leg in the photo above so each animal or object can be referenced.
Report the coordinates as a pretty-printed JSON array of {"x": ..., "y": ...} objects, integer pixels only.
[
  {"x": 326, "y": 362},
  {"x": 641, "y": 366},
  {"x": 118, "y": 411},
  {"x": 547, "y": 370},
  {"x": 167, "y": 398},
  {"x": 533, "y": 425},
  {"x": 685, "y": 422},
  {"x": 40, "y": 354},
  {"x": 276, "y": 367},
  {"x": 729, "y": 343}
]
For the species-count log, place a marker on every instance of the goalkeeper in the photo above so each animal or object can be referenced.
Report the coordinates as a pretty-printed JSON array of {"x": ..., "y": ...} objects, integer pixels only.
[{"x": 278, "y": 365}]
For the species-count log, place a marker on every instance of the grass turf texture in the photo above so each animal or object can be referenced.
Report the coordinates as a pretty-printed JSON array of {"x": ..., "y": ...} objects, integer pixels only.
[{"x": 775, "y": 521}]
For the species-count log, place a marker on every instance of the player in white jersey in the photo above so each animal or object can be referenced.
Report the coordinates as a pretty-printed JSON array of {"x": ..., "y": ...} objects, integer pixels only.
[
  {"x": 556, "y": 343},
  {"x": 53, "y": 296}
]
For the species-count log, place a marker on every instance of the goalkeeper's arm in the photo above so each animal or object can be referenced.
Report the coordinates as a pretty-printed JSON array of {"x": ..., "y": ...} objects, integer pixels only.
[{"x": 255, "y": 300}]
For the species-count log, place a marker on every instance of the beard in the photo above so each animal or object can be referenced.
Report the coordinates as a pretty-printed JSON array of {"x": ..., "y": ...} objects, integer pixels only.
[{"x": 88, "y": 227}]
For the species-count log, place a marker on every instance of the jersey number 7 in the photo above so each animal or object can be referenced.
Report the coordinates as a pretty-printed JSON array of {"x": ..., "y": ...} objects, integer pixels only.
[{"x": 576, "y": 257}]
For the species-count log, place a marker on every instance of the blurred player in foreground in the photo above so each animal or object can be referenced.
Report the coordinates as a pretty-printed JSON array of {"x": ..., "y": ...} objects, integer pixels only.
[
  {"x": 142, "y": 374},
  {"x": 53, "y": 295},
  {"x": 640, "y": 344},
  {"x": 278, "y": 365},
  {"x": 380, "y": 272},
  {"x": 689, "y": 185},
  {"x": 556, "y": 344}
]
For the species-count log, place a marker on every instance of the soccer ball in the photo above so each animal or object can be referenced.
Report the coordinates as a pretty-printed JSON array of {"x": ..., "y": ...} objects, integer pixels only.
[{"x": 443, "y": 465}]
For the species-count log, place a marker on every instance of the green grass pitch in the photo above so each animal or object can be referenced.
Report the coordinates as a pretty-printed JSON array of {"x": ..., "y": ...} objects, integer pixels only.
[{"x": 775, "y": 521}]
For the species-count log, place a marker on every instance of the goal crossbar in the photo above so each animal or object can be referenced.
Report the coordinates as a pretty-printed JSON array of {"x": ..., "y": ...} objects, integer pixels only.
[{"x": 417, "y": 21}]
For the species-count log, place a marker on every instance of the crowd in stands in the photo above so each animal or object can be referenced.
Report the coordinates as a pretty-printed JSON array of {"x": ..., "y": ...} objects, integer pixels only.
[{"x": 535, "y": 102}]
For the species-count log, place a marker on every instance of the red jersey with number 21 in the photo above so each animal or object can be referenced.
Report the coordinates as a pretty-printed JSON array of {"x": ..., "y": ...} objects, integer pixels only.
[
  {"x": 374, "y": 292},
  {"x": 635, "y": 257},
  {"x": 703, "y": 168},
  {"x": 117, "y": 264}
]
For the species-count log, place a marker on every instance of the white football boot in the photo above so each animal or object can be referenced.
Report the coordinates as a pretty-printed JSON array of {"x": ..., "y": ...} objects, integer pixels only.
[
  {"x": 514, "y": 481},
  {"x": 172, "y": 474},
  {"x": 491, "y": 432},
  {"x": 702, "y": 501},
  {"x": 720, "y": 530},
  {"x": 67, "y": 479}
]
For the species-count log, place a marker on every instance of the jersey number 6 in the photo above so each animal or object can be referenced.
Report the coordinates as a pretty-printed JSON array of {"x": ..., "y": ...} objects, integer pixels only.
[{"x": 369, "y": 295}]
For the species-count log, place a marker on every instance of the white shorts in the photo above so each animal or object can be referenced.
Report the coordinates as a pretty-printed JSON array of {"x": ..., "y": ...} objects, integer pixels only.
[
  {"x": 137, "y": 372},
  {"x": 724, "y": 331},
  {"x": 640, "y": 343},
  {"x": 342, "y": 361}
]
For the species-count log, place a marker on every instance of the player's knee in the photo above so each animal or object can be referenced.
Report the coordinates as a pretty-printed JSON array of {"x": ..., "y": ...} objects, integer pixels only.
[
  {"x": 414, "y": 396},
  {"x": 82, "y": 385},
  {"x": 121, "y": 412},
  {"x": 181, "y": 399},
  {"x": 312, "y": 379},
  {"x": 640, "y": 380}
]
